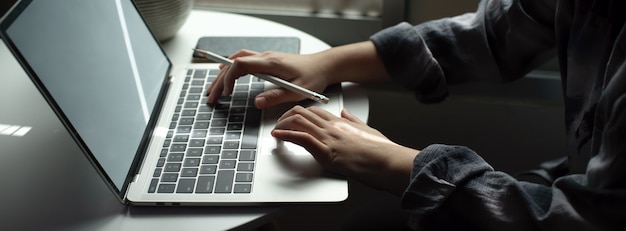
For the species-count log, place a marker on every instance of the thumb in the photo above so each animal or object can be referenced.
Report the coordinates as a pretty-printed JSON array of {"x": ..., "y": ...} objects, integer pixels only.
[{"x": 274, "y": 97}]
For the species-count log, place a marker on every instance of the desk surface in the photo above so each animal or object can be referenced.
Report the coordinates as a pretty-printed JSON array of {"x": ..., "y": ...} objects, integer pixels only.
[{"x": 39, "y": 200}]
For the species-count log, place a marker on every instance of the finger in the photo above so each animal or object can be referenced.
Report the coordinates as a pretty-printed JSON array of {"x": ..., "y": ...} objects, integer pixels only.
[
  {"x": 289, "y": 113},
  {"x": 322, "y": 113},
  {"x": 274, "y": 97},
  {"x": 305, "y": 113},
  {"x": 216, "y": 88},
  {"x": 298, "y": 122},
  {"x": 318, "y": 150},
  {"x": 242, "y": 52},
  {"x": 228, "y": 76},
  {"x": 351, "y": 117}
]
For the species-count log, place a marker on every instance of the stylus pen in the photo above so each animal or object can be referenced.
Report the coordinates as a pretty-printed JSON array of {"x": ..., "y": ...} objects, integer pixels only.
[{"x": 272, "y": 79}]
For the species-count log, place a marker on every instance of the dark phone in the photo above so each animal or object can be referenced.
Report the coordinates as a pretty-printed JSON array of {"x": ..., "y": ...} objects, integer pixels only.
[{"x": 226, "y": 46}]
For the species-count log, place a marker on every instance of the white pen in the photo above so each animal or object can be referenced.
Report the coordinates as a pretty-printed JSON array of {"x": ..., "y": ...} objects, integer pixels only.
[{"x": 272, "y": 79}]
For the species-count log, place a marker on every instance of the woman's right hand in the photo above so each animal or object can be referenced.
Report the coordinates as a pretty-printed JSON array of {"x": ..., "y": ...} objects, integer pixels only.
[{"x": 302, "y": 70}]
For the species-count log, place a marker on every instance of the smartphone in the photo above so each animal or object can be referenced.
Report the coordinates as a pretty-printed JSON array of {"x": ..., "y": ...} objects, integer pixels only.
[{"x": 227, "y": 46}]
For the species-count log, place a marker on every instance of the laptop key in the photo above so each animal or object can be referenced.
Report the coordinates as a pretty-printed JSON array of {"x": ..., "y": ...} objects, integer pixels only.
[
  {"x": 227, "y": 164},
  {"x": 181, "y": 138},
  {"x": 169, "y": 177},
  {"x": 233, "y": 135},
  {"x": 205, "y": 108},
  {"x": 178, "y": 148},
  {"x": 247, "y": 155},
  {"x": 218, "y": 123},
  {"x": 167, "y": 143},
  {"x": 172, "y": 167},
  {"x": 185, "y": 186},
  {"x": 251, "y": 129},
  {"x": 220, "y": 114},
  {"x": 245, "y": 167},
  {"x": 175, "y": 157},
  {"x": 157, "y": 172},
  {"x": 153, "y": 185},
  {"x": 214, "y": 140},
  {"x": 213, "y": 72},
  {"x": 194, "y": 152},
  {"x": 161, "y": 162},
  {"x": 234, "y": 127},
  {"x": 224, "y": 182},
  {"x": 191, "y": 162},
  {"x": 185, "y": 121},
  {"x": 199, "y": 133},
  {"x": 229, "y": 154},
  {"x": 212, "y": 149},
  {"x": 243, "y": 188},
  {"x": 196, "y": 143},
  {"x": 200, "y": 74},
  {"x": 217, "y": 131},
  {"x": 238, "y": 110},
  {"x": 208, "y": 169},
  {"x": 197, "y": 82},
  {"x": 166, "y": 188},
  {"x": 194, "y": 97},
  {"x": 196, "y": 90},
  {"x": 189, "y": 172},
  {"x": 188, "y": 112},
  {"x": 231, "y": 144},
  {"x": 205, "y": 184},
  {"x": 191, "y": 104},
  {"x": 201, "y": 125},
  {"x": 183, "y": 129},
  {"x": 203, "y": 116},
  {"x": 210, "y": 159},
  {"x": 243, "y": 177}
]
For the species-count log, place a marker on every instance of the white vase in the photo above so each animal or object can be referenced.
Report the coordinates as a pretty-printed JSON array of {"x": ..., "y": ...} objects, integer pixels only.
[{"x": 164, "y": 17}]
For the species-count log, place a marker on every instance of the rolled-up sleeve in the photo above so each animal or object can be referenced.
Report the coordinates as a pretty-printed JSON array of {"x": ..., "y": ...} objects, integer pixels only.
[
  {"x": 453, "y": 188},
  {"x": 502, "y": 41}
]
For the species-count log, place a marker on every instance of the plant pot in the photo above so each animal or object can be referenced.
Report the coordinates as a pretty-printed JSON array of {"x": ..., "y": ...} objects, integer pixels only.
[{"x": 164, "y": 17}]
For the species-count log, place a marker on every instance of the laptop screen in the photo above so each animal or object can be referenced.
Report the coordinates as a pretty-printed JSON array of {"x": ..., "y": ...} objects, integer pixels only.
[{"x": 102, "y": 67}]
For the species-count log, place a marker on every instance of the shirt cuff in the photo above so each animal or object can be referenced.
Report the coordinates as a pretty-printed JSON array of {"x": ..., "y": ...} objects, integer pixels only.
[
  {"x": 409, "y": 62},
  {"x": 437, "y": 172}
]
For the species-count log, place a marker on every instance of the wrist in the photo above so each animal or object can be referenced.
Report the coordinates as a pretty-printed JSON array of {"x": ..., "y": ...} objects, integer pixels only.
[
  {"x": 399, "y": 167},
  {"x": 358, "y": 62}
]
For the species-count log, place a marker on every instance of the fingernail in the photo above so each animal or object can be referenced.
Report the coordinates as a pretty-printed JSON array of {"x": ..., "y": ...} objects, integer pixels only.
[{"x": 260, "y": 101}]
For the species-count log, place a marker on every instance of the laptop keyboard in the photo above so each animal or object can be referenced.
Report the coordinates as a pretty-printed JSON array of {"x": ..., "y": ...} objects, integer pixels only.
[{"x": 210, "y": 148}]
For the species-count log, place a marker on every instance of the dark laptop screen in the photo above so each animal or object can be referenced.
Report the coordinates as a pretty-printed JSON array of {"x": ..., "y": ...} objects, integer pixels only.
[{"x": 101, "y": 65}]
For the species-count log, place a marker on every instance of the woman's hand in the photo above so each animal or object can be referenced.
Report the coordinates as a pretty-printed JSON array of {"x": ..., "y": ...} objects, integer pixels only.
[
  {"x": 357, "y": 63},
  {"x": 302, "y": 70},
  {"x": 348, "y": 146}
]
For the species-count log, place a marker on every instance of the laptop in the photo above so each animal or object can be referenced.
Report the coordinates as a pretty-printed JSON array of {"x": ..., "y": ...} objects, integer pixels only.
[{"x": 144, "y": 124}]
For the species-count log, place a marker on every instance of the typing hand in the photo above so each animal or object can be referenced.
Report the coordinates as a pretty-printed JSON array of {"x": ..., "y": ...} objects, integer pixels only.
[
  {"x": 348, "y": 146},
  {"x": 298, "y": 69}
]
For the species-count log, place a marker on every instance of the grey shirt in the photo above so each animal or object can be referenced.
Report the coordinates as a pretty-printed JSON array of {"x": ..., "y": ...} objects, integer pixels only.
[{"x": 452, "y": 187}]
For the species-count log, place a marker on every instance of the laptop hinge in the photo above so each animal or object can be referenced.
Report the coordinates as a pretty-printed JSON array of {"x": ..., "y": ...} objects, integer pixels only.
[{"x": 125, "y": 198}]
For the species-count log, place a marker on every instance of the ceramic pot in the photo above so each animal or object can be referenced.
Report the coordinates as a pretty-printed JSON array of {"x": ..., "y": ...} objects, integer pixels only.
[{"x": 164, "y": 17}]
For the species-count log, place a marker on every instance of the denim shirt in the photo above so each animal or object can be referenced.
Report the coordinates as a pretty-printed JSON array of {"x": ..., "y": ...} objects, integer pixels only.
[{"x": 452, "y": 187}]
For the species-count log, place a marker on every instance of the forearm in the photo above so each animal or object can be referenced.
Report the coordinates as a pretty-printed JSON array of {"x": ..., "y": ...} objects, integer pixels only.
[{"x": 357, "y": 62}]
